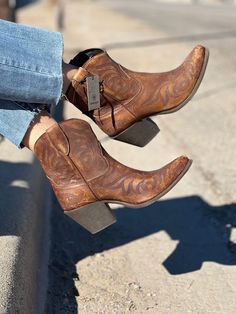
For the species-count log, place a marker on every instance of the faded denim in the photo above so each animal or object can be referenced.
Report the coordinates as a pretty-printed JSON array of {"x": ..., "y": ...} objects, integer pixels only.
[
  {"x": 30, "y": 74},
  {"x": 15, "y": 118},
  {"x": 30, "y": 64}
]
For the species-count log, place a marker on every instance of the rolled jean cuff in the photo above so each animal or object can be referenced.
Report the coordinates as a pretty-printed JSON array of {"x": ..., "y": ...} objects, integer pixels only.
[
  {"x": 30, "y": 64},
  {"x": 15, "y": 119}
]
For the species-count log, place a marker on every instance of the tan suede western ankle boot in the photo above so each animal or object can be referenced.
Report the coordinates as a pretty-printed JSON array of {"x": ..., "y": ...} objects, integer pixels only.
[
  {"x": 128, "y": 98},
  {"x": 85, "y": 178}
]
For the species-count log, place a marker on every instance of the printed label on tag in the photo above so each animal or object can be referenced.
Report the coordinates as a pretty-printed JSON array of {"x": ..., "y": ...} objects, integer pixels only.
[{"x": 93, "y": 92}]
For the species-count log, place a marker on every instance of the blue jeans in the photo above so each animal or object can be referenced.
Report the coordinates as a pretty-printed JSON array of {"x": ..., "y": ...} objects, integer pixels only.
[{"x": 30, "y": 74}]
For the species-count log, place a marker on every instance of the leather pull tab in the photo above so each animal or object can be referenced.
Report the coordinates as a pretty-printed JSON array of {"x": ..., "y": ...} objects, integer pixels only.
[
  {"x": 80, "y": 76},
  {"x": 59, "y": 139},
  {"x": 92, "y": 86}
]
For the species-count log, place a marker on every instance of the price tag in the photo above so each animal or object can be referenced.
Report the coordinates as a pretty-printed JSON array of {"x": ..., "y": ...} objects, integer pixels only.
[{"x": 93, "y": 92}]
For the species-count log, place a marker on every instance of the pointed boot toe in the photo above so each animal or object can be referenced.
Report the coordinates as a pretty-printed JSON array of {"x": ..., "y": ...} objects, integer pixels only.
[
  {"x": 180, "y": 85},
  {"x": 128, "y": 98},
  {"x": 172, "y": 173},
  {"x": 85, "y": 178}
]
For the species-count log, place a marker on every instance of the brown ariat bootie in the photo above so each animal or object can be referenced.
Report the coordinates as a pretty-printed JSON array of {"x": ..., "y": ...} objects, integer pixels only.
[
  {"x": 128, "y": 98},
  {"x": 85, "y": 178}
]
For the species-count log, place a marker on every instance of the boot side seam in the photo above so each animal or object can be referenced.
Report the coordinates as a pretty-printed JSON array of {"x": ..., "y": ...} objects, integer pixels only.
[
  {"x": 86, "y": 181},
  {"x": 68, "y": 157}
]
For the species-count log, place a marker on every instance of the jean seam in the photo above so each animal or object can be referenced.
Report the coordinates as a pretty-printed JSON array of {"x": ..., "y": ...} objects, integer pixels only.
[
  {"x": 26, "y": 39},
  {"x": 49, "y": 74}
]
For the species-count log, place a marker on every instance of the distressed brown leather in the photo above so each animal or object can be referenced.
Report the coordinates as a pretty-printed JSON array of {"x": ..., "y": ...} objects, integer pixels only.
[
  {"x": 82, "y": 172},
  {"x": 128, "y": 96}
]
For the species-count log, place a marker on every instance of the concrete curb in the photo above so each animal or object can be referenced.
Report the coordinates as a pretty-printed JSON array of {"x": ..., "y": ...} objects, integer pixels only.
[{"x": 24, "y": 232}]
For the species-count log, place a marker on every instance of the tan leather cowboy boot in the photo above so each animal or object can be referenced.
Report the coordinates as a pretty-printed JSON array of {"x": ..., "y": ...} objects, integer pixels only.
[
  {"x": 85, "y": 178},
  {"x": 128, "y": 98}
]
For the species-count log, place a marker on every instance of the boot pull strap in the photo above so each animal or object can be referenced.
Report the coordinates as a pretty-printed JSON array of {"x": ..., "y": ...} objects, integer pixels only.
[
  {"x": 80, "y": 76},
  {"x": 59, "y": 139}
]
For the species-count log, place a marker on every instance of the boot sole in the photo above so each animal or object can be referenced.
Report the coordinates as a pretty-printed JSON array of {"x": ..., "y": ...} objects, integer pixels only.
[
  {"x": 98, "y": 215},
  {"x": 142, "y": 132}
]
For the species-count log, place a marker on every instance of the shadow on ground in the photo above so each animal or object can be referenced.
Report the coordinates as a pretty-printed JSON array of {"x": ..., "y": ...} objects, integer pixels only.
[
  {"x": 203, "y": 232},
  {"x": 16, "y": 195}
]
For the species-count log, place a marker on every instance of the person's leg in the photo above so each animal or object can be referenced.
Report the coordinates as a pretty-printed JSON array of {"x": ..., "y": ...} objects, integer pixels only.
[
  {"x": 84, "y": 177},
  {"x": 37, "y": 128},
  {"x": 16, "y": 118},
  {"x": 31, "y": 64},
  {"x": 69, "y": 71},
  {"x": 32, "y": 70}
]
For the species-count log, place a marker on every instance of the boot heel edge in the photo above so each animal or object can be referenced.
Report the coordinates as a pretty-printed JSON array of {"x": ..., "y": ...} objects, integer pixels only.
[
  {"x": 139, "y": 134},
  {"x": 93, "y": 217}
]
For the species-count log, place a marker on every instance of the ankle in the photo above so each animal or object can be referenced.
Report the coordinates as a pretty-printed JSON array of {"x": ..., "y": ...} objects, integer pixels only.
[
  {"x": 69, "y": 72},
  {"x": 38, "y": 127}
]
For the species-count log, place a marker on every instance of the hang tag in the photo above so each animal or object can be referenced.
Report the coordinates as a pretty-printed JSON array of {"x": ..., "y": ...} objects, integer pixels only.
[{"x": 93, "y": 92}]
